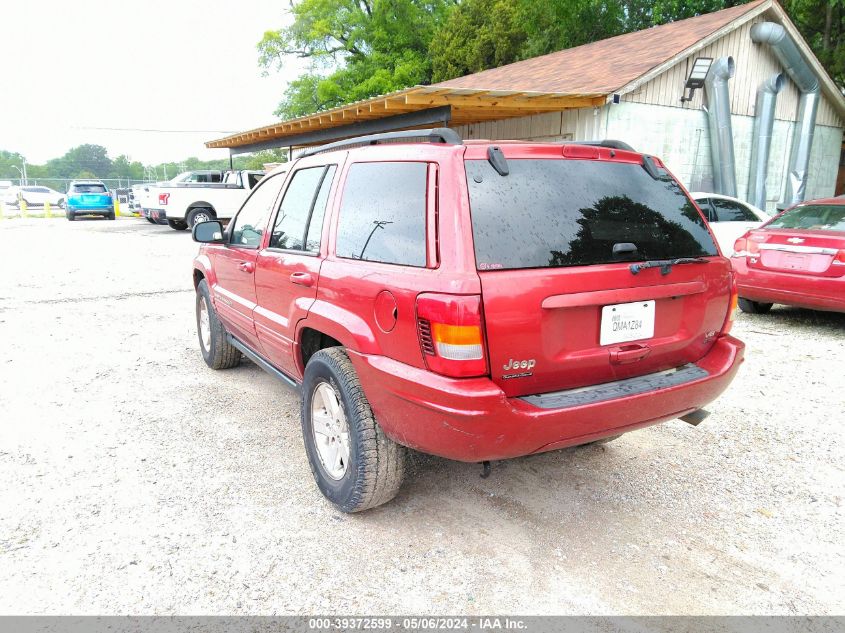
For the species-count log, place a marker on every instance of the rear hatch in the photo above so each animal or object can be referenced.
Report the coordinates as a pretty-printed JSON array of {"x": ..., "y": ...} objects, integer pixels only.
[
  {"x": 89, "y": 195},
  {"x": 806, "y": 240},
  {"x": 561, "y": 308}
]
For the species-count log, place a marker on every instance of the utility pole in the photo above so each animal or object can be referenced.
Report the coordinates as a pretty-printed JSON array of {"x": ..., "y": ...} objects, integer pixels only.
[{"x": 25, "y": 179}]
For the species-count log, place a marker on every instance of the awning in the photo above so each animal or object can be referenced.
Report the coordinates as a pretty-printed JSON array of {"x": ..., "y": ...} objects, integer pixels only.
[{"x": 415, "y": 107}]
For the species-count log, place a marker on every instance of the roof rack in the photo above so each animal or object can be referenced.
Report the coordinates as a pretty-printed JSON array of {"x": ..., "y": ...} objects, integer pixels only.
[
  {"x": 608, "y": 143},
  {"x": 433, "y": 135}
]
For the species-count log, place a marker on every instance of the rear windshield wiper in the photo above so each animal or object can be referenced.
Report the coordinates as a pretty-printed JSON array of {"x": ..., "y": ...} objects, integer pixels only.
[{"x": 665, "y": 265}]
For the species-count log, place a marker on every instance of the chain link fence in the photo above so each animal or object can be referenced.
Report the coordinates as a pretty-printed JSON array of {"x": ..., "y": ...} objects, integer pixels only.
[{"x": 61, "y": 184}]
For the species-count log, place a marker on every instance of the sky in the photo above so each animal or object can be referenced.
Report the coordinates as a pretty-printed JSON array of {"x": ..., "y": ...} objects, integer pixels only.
[{"x": 67, "y": 68}]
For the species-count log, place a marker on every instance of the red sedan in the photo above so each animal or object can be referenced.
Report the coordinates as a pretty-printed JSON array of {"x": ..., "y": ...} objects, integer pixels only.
[{"x": 797, "y": 259}]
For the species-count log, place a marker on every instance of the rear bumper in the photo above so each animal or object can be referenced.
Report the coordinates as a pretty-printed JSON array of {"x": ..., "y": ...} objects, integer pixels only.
[
  {"x": 472, "y": 420},
  {"x": 92, "y": 209},
  {"x": 800, "y": 300},
  {"x": 803, "y": 291}
]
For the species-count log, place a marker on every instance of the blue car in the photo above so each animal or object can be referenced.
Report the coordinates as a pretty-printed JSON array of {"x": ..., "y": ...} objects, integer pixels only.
[{"x": 89, "y": 197}]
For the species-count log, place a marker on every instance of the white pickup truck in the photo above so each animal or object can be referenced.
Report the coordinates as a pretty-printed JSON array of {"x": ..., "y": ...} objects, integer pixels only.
[{"x": 187, "y": 204}]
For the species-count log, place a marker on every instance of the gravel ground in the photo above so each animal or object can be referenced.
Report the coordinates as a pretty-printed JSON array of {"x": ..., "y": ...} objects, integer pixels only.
[{"x": 133, "y": 479}]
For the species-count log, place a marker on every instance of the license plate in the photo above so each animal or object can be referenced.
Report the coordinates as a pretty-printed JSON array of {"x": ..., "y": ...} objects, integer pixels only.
[
  {"x": 627, "y": 322},
  {"x": 796, "y": 262}
]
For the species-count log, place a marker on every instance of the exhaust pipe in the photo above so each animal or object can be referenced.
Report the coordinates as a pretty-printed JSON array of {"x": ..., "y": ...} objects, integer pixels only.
[
  {"x": 761, "y": 140},
  {"x": 719, "y": 115},
  {"x": 695, "y": 417},
  {"x": 802, "y": 74}
]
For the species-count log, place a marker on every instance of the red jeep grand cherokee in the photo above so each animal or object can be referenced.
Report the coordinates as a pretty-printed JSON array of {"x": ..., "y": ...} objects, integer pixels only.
[{"x": 476, "y": 301}]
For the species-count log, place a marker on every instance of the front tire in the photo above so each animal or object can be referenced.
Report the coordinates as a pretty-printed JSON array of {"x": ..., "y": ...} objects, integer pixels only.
[
  {"x": 200, "y": 215},
  {"x": 754, "y": 307},
  {"x": 356, "y": 466},
  {"x": 215, "y": 349},
  {"x": 177, "y": 225},
  {"x": 70, "y": 215}
]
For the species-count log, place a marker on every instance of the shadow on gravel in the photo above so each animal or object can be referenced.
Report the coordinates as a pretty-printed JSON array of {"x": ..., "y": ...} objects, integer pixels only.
[
  {"x": 527, "y": 485},
  {"x": 789, "y": 317}
]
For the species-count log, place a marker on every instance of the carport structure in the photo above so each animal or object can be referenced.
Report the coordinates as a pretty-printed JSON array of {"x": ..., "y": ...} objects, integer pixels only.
[
  {"x": 639, "y": 88},
  {"x": 417, "y": 107}
]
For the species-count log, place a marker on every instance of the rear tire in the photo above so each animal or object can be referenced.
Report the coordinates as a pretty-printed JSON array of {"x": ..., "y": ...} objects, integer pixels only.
[
  {"x": 201, "y": 214},
  {"x": 177, "y": 225},
  {"x": 372, "y": 466},
  {"x": 70, "y": 215},
  {"x": 754, "y": 307},
  {"x": 110, "y": 216},
  {"x": 215, "y": 349}
]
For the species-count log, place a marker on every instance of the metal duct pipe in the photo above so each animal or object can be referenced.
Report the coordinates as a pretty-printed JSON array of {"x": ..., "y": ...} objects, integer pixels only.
[
  {"x": 799, "y": 70},
  {"x": 719, "y": 116},
  {"x": 761, "y": 140}
]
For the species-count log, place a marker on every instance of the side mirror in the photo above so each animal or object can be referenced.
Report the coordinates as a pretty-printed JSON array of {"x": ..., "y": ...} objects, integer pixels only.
[{"x": 210, "y": 232}]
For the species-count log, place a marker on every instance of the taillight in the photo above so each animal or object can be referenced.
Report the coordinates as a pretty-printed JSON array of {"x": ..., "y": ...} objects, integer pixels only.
[
  {"x": 163, "y": 198},
  {"x": 839, "y": 260},
  {"x": 744, "y": 247},
  {"x": 451, "y": 334},
  {"x": 732, "y": 307}
]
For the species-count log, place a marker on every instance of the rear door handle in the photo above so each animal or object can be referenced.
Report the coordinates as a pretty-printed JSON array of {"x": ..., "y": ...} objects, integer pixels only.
[
  {"x": 302, "y": 279},
  {"x": 247, "y": 267},
  {"x": 628, "y": 353}
]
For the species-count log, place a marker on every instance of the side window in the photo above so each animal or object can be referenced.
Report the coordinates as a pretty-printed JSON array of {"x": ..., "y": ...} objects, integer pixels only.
[
  {"x": 318, "y": 214},
  {"x": 292, "y": 219},
  {"x": 382, "y": 217},
  {"x": 249, "y": 225},
  {"x": 730, "y": 211}
]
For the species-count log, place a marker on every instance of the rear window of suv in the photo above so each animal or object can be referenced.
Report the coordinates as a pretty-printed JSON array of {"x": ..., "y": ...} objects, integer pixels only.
[
  {"x": 559, "y": 212},
  {"x": 92, "y": 188}
]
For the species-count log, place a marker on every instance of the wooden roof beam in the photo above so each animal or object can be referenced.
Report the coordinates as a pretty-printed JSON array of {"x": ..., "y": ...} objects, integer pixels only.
[{"x": 534, "y": 103}]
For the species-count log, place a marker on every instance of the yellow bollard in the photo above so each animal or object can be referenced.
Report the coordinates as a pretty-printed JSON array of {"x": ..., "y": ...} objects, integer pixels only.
[
  {"x": 2, "y": 209},
  {"x": 47, "y": 211},
  {"x": 23, "y": 208},
  {"x": 116, "y": 207}
]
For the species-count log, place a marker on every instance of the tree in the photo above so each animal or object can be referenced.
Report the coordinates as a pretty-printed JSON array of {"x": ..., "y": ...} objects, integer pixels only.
[
  {"x": 561, "y": 24},
  {"x": 125, "y": 169},
  {"x": 479, "y": 34},
  {"x": 822, "y": 23},
  {"x": 88, "y": 159},
  {"x": 357, "y": 48},
  {"x": 9, "y": 161}
]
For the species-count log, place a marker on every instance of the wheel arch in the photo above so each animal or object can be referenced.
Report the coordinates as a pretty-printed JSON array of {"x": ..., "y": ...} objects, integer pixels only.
[
  {"x": 311, "y": 341},
  {"x": 337, "y": 325},
  {"x": 200, "y": 205},
  {"x": 203, "y": 270}
]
